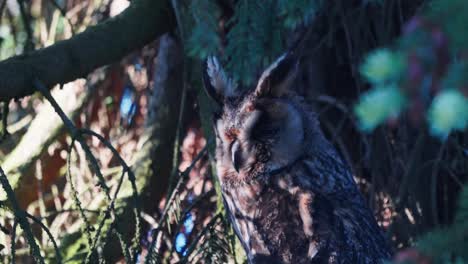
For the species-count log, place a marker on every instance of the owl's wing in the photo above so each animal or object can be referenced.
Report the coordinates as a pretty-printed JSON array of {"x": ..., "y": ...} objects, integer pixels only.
[{"x": 327, "y": 176}]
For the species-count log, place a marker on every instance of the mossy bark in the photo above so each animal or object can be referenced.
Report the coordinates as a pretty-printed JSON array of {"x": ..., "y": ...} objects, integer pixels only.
[{"x": 99, "y": 45}]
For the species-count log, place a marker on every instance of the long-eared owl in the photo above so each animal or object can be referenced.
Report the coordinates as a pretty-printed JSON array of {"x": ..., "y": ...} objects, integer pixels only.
[{"x": 288, "y": 194}]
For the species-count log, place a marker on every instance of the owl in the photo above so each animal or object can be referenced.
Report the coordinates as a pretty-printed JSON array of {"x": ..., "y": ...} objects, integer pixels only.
[{"x": 288, "y": 194}]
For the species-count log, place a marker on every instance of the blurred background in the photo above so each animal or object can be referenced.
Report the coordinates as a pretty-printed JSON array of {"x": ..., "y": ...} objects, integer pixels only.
[{"x": 132, "y": 179}]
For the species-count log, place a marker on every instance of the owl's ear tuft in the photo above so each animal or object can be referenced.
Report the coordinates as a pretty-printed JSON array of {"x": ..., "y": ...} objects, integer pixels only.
[
  {"x": 278, "y": 78},
  {"x": 217, "y": 84}
]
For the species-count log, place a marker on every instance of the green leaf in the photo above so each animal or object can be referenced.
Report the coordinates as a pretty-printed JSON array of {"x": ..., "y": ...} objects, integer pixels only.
[
  {"x": 377, "y": 105},
  {"x": 448, "y": 112},
  {"x": 383, "y": 65}
]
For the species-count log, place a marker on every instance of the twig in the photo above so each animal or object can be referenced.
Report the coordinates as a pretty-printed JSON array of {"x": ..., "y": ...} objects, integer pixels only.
[
  {"x": 64, "y": 15},
  {"x": 175, "y": 160},
  {"x": 178, "y": 19},
  {"x": 20, "y": 124},
  {"x": 413, "y": 158},
  {"x": 13, "y": 241},
  {"x": 76, "y": 57},
  {"x": 88, "y": 226},
  {"x": 20, "y": 215},
  {"x": 187, "y": 210},
  {"x": 75, "y": 133},
  {"x": 435, "y": 170},
  {"x": 14, "y": 30},
  {"x": 208, "y": 227},
  {"x": 2, "y": 7},
  {"x": 107, "y": 215},
  {"x": 132, "y": 179},
  {"x": 400, "y": 13},
  {"x": 4, "y": 122},
  {"x": 153, "y": 250},
  {"x": 54, "y": 213},
  {"x": 340, "y": 106},
  {"x": 4, "y": 230},
  {"x": 454, "y": 177},
  {"x": 25, "y": 17},
  {"x": 51, "y": 237}
]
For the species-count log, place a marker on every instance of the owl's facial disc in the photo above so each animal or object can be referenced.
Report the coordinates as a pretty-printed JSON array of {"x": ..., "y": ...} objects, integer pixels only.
[
  {"x": 259, "y": 131},
  {"x": 257, "y": 137},
  {"x": 281, "y": 131}
]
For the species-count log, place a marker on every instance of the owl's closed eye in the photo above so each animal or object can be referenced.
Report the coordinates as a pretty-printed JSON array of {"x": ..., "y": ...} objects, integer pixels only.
[
  {"x": 288, "y": 194},
  {"x": 258, "y": 130}
]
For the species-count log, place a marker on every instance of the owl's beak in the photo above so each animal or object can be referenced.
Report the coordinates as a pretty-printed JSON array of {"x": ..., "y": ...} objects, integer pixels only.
[{"x": 236, "y": 156}]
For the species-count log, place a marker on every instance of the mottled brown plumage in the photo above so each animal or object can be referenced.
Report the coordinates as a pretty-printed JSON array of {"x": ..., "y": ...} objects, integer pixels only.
[{"x": 288, "y": 194}]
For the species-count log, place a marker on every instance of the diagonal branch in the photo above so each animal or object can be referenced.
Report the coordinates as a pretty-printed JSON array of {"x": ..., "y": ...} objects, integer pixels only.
[
  {"x": 21, "y": 218},
  {"x": 99, "y": 45}
]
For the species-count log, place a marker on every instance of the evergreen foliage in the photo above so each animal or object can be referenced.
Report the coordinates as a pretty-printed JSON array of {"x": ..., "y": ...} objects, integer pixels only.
[
  {"x": 448, "y": 245},
  {"x": 257, "y": 32},
  {"x": 427, "y": 65},
  {"x": 204, "y": 39}
]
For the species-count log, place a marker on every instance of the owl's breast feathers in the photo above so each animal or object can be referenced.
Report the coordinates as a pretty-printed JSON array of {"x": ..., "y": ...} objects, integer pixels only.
[{"x": 311, "y": 212}]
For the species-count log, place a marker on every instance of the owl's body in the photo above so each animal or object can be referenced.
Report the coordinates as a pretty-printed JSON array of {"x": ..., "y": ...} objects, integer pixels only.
[{"x": 289, "y": 196}]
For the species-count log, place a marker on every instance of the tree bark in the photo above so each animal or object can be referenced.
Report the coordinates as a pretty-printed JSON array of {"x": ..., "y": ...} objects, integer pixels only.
[
  {"x": 153, "y": 164},
  {"x": 99, "y": 45}
]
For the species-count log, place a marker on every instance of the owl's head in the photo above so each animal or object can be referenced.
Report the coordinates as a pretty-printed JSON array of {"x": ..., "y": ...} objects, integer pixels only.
[{"x": 259, "y": 130}]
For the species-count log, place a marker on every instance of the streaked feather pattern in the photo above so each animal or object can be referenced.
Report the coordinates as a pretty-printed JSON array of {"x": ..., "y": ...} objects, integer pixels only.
[{"x": 289, "y": 196}]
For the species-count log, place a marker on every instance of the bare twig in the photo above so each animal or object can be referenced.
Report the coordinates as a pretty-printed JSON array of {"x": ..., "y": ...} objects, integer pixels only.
[
  {"x": 68, "y": 210},
  {"x": 131, "y": 178},
  {"x": 4, "y": 124},
  {"x": 4, "y": 230},
  {"x": 153, "y": 250},
  {"x": 413, "y": 158},
  {"x": 64, "y": 15},
  {"x": 175, "y": 160},
  {"x": 88, "y": 226},
  {"x": 75, "y": 133},
  {"x": 13, "y": 241},
  {"x": 20, "y": 215},
  {"x": 107, "y": 214},
  {"x": 26, "y": 19},
  {"x": 187, "y": 210},
  {"x": 213, "y": 222},
  {"x": 2, "y": 7},
  {"x": 435, "y": 170},
  {"x": 51, "y": 237}
]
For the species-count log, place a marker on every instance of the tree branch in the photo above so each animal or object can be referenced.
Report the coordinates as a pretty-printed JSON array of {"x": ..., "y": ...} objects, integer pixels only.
[{"x": 76, "y": 57}]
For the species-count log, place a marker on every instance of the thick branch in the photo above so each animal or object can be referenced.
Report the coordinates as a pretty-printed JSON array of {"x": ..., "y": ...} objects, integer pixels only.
[{"x": 102, "y": 44}]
